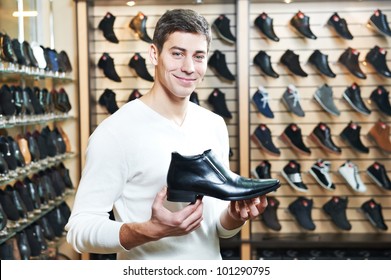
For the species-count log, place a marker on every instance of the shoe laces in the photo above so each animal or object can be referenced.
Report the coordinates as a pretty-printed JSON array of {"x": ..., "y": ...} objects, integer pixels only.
[
  {"x": 296, "y": 98},
  {"x": 264, "y": 99}
]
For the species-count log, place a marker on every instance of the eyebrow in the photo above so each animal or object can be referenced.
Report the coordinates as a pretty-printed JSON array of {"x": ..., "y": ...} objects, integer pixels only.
[{"x": 184, "y": 50}]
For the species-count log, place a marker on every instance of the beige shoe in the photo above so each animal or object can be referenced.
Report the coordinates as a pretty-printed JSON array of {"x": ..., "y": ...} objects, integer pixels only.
[
  {"x": 24, "y": 148},
  {"x": 379, "y": 133}
]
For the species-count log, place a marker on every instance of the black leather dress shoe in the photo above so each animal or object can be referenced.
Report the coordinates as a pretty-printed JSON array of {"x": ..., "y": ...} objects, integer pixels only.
[
  {"x": 18, "y": 50},
  {"x": 15, "y": 151},
  {"x": 380, "y": 96},
  {"x": 262, "y": 59},
  {"x": 301, "y": 23},
  {"x": 106, "y": 25},
  {"x": 351, "y": 135},
  {"x": 265, "y": 24},
  {"x": 379, "y": 22},
  {"x": 137, "y": 62},
  {"x": 221, "y": 25},
  {"x": 192, "y": 176},
  {"x": 139, "y": 25},
  {"x": 33, "y": 193},
  {"x": 320, "y": 61},
  {"x": 5, "y": 150},
  {"x": 349, "y": 58},
  {"x": 23, "y": 244},
  {"x": 340, "y": 26},
  {"x": 107, "y": 100},
  {"x": 291, "y": 60},
  {"x": 218, "y": 63},
  {"x": 321, "y": 135},
  {"x": 106, "y": 62},
  {"x": 377, "y": 58}
]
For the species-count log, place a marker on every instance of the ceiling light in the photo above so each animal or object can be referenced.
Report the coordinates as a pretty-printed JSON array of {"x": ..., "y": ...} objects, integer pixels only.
[
  {"x": 25, "y": 14},
  {"x": 198, "y": 1},
  {"x": 131, "y": 3},
  {"x": 287, "y": 1}
]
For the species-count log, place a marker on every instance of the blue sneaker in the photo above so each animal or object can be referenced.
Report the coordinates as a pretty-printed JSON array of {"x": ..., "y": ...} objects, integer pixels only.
[{"x": 261, "y": 100}]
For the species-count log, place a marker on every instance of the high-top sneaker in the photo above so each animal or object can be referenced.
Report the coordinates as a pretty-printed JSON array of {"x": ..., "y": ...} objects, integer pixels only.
[
  {"x": 351, "y": 135},
  {"x": 217, "y": 100},
  {"x": 291, "y": 172},
  {"x": 194, "y": 98},
  {"x": 106, "y": 62},
  {"x": 265, "y": 24},
  {"x": 291, "y": 100},
  {"x": 349, "y": 59},
  {"x": 321, "y": 135},
  {"x": 107, "y": 100},
  {"x": 135, "y": 94},
  {"x": 106, "y": 25},
  {"x": 378, "y": 174},
  {"x": 291, "y": 61},
  {"x": 262, "y": 170},
  {"x": 324, "y": 96},
  {"x": 137, "y": 62},
  {"x": 380, "y": 96},
  {"x": 292, "y": 137},
  {"x": 221, "y": 25},
  {"x": 336, "y": 209},
  {"x": 261, "y": 100},
  {"x": 262, "y": 59},
  {"x": 340, "y": 26},
  {"x": 352, "y": 95},
  {"x": 377, "y": 58},
  {"x": 218, "y": 63},
  {"x": 349, "y": 171},
  {"x": 321, "y": 63},
  {"x": 380, "y": 133},
  {"x": 263, "y": 139},
  {"x": 269, "y": 216},
  {"x": 320, "y": 171},
  {"x": 139, "y": 25},
  {"x": 373, "y": 212},
  {"x": 379, "y": 22},
  {"x": 301, "y": 23},
  {"x": 301, "y": 209}
]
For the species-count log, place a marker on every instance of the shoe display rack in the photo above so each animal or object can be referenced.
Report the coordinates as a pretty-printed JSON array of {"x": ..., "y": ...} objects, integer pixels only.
[{"x": 276, "y": 82}]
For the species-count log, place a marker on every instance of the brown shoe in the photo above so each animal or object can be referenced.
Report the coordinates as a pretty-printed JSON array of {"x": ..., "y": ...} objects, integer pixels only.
[
  {"x": 68, "y": 147},
  {"x": 24, "y": 148},
  {"x": 379, "y": 133}
]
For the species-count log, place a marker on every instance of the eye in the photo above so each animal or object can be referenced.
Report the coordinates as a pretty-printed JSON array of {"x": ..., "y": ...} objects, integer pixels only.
[
  {"x": 177, "y": 54},
  {"x": 199, "y": 57}
]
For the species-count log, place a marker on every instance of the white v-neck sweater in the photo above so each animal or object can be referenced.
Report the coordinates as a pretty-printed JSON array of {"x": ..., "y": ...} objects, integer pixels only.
[{"x": 127, "y": 160}]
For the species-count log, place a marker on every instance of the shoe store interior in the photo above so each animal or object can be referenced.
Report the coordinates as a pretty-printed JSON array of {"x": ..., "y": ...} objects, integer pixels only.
[{"x": 303, "y": 87}]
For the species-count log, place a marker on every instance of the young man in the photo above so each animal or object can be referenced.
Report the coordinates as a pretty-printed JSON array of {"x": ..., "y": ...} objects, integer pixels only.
[{"x": 129, "y": 154}]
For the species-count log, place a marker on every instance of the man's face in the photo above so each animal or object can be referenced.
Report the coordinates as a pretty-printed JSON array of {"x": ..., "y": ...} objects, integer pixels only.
[{"x": 182, "y": 63}]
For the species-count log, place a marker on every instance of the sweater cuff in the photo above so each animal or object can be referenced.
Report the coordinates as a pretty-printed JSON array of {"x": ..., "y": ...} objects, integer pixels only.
[{"x": 227, "y": 233}]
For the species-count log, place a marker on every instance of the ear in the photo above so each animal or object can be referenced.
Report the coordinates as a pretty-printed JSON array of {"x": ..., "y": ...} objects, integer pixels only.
[{"x": 153, "y": 54}]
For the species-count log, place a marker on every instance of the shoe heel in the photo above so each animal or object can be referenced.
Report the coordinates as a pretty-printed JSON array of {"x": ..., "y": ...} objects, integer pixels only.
[{"x": 181, "y": 196}]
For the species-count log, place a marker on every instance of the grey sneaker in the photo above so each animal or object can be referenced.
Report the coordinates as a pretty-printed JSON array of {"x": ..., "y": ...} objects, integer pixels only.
[
  {"x": 324, "y": 96},
  {"x": 291, "y": 100}
]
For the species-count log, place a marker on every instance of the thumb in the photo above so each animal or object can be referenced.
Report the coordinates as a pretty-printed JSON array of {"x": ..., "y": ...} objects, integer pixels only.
[{"x": 160, "y": 196}]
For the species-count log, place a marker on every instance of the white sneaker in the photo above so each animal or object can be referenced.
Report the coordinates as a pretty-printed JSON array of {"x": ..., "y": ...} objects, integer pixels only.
[
  {"x": 349, "y": 172},
  {"x": 39, "y": 55}
]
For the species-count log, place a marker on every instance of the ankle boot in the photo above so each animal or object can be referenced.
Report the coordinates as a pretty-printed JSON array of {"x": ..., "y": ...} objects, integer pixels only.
[
  {"x": 378, "y": 21},
  {"x": 24, "y": 195},
  {"x": 218, "y": 63},
  {"x": 262, "y": 170},
  {"x": 351, "y": 135},
  {"x": 262, "y": 59},
  {"x": 107, "y": 64},
  {"x": 263, "y": 139},
  {"x": 301, "y": 23},
  {"x": 106, "y": 25},
  {"x": 321, "y": 135},
  {"x": 198, "y": 175},
  {"x": 5, "y": 150},
  {"x": 33, "y": 94},
  {"x": 107, "y": 100},
  {"x": 352, "y": 95},
  {"x": 377, "y": 58},
  {"x": 320, "y": 61},
  {"x": 269, "y": 216},
  {"x": 380, "y": 96},
  {"x": 17, "y": 93},
  {"x": 33, "y": 193},
  {"x": 291, "y": 60},
  {"x": 219, "y": 104},
  {"x": 221, "y": 25},
  {"x": 340, "y": 26},
  {"x": 349, "y": 59},
  {"x": 139, "y": 25},
  {"x": 380, "y": 134},
  {"x": 15, "y": 150},
  {"x": 292, "y": 137},
  {"x": 265, "y": 24},
  {"x": 137, "y": 62}
]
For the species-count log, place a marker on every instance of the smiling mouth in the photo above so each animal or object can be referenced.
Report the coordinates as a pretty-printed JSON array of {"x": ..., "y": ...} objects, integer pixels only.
[{"x": 186, "y": 79}]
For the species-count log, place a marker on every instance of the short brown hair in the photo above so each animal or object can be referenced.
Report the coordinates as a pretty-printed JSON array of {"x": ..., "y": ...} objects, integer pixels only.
[{"x": 182, "y": 20}]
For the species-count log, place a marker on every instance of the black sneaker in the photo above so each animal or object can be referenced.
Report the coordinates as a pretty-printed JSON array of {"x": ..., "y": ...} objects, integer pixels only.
[
  {"x": 137, "y": 62},
  {"x": 262, "y": 170},
  {"x": 218, "y": 63},
  {"x": 217, "y": 100},
  {"x": 292, "y": 137},
  {"x": 336, "y": 209},
  {"x": 352, "y": 95},
  {"x": 340, "y": 26},
  {"x": 349, "y": 59},
  {"x": 292, "y": 174},
  {"x": 265, "y": 24},
  {"x": 373, "y": 212},
  {"x": 378, "y": 174},
  {"x": 106, "y": 25},
  {"x": 107, "y": 64},
  {"x": 221, "y": 25},
  {"x": 351, "y": 135},
  {"x": 107, "y": 100},
  {"x": 320, "y": 171},
  {"x": 377, "y": 58},
  {"x": 262, "y": 137},
  {"x": 379, "y": 22},
  {"x": 301, "y": 209},
  {"x": 269, "y": 216},
  {"x": 380, "y": 96}
]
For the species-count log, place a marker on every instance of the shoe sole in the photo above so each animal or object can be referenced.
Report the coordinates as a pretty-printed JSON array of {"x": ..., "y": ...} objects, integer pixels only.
[
  {"x": 259, "y": 144},
  {"x": 284, "y": 138},
  {"x": 374, "y": 27},
  {"x": 290, "y": 183},
  {"x": 221, "y": 35},
  {"x": 354, "y": 106},
  {"x": 320, "y": 144},
  {"x": 320, "y": 182},
  {"x": 324, "y": 107},
  {"x": 376, "y": 180}
]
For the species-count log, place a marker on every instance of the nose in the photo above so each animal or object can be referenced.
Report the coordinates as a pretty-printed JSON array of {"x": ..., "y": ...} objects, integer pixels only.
[{"x": 188, "y": 65}]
